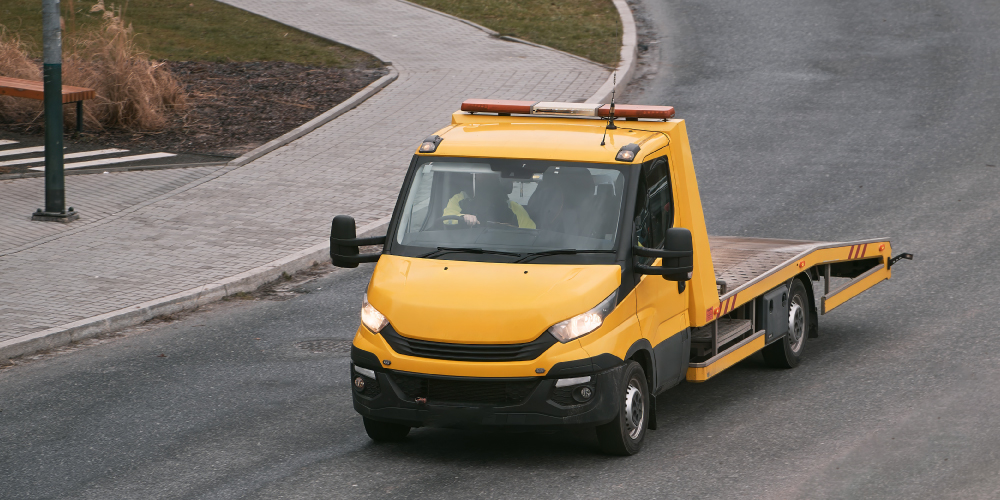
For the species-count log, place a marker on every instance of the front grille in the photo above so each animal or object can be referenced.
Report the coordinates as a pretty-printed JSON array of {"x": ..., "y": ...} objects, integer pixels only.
[
  {"x": 467, "y": 352},
  {"x": 502, "y": 392},
  {"x": 564, "y": 396}
]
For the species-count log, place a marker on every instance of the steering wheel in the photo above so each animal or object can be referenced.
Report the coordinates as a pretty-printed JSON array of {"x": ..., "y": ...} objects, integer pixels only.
[{"x": 441, "y": 220}]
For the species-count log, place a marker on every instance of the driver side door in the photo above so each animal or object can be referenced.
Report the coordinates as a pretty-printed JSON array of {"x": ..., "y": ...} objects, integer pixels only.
[{"x": 661, "y": 305}]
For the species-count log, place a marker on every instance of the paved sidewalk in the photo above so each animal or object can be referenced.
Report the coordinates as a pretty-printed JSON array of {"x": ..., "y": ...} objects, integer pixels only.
[{"x": 199, "y": 226}]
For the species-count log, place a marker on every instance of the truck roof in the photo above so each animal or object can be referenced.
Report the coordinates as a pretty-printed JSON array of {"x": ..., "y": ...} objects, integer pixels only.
[{"x": 548, "y": 138}]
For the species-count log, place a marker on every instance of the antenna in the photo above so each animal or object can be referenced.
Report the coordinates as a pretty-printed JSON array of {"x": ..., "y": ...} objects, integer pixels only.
[{"x": 611, "y": 116}]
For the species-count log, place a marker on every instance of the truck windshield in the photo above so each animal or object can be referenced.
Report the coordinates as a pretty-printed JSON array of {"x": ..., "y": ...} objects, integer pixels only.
[{"x": 508, "y": 206}]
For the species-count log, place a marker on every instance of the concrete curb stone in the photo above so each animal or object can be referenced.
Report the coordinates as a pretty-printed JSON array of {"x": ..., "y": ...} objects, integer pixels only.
[
  {"x": 320, "y": 120},
  {"x": 626, "y": 65}
]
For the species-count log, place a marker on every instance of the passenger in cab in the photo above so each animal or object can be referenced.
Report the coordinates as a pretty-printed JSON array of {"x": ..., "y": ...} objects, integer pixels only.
[{"x": 490, "y": 203}]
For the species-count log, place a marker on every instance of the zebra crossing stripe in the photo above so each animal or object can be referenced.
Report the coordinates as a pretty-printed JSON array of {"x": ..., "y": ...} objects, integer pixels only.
[
  {"x": 4, "y": 142},
  {"x": 109, "y": 161},
  {"x": 82, "y": 154},
  {"x": 21, "y": 151}
]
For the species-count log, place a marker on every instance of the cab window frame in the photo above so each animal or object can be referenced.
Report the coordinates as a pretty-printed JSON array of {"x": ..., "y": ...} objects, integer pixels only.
[{"x": 654, "y": 179}]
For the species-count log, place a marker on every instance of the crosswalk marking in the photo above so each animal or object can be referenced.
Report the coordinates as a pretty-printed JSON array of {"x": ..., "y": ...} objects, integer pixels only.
[
  {"x": 108, "y": 161},
  {"x": 21, "y": 151},
  {"x": 68, "y": 155},
  {"x": 4, "y": 142}
]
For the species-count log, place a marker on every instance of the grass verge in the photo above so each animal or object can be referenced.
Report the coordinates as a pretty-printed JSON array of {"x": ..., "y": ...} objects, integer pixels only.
[
  {"x": 190, "y": 30},
  {"x": 587, "y": 28}
]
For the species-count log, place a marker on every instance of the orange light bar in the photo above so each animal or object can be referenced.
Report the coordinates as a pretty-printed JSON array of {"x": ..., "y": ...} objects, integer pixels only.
[
  {"x": 497, "y": 106},
  {"x": 569, "y": 109},
  {"x": 636, "y": 111}
]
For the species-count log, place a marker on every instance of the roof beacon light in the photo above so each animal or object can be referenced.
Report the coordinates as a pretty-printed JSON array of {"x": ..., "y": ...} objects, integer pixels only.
[
  {"x": 497, "y": 106},
  {"x": 634, "y": 111},
  {"x": 504, "y": 107},
  {"x": 430, "y": 144},
  {"x": 627, "y": 152},
  {"x": 564, "y": 108}
]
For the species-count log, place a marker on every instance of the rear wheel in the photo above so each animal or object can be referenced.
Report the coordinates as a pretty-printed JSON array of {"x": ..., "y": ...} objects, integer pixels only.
[
  {"x": 624, "y": 434},
  {"x": 385, "y": 431},
  {"x": 787, "y": 352}
]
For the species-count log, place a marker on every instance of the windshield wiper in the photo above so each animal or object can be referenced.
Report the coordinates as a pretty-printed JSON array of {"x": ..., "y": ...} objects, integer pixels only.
[
  {"x": 443, "y": 250},
  {"x": 561, "y": 251}
]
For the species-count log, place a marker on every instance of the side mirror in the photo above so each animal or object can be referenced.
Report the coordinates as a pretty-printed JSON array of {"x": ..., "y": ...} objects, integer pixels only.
[
  {"x": 344, "y": 243},
  {"x": 678, "y": 256},
  {"x": 680, "y": 267}
]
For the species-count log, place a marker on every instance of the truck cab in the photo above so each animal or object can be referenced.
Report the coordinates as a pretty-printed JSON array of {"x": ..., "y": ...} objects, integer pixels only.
[{"x": 548, "y": 265}]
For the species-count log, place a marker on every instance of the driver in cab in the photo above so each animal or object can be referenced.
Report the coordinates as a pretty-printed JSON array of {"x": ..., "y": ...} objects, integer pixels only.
[{"x": 489, "y": 204}]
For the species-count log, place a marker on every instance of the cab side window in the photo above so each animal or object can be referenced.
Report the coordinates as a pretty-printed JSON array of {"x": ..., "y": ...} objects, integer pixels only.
[{"x": 654, "y": 205}]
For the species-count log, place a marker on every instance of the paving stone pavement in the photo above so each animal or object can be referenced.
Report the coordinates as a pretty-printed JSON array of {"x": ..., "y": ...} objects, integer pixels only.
[{"x": 203, "y": 225}]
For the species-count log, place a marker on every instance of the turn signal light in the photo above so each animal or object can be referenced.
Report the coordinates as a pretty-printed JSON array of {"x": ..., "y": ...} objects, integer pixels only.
[
  {"x": 627, "y": 152},
  {"x": 430, "y": 144}
]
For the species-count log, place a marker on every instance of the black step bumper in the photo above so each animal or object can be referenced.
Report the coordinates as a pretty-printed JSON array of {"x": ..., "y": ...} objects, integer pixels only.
[{"x": 538, "y": 404}]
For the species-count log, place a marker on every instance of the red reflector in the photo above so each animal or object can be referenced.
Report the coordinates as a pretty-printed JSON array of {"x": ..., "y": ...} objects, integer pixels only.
[
  {"x": 636, "y": 111},
  {"x": 497, "y": 106}
]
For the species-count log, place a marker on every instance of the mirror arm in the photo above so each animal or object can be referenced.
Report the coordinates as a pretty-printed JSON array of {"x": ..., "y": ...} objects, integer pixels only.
[
  {"x": 358, "y": 242},
  {"x": 663, "y": 254},
  {"x": 360, "y": 259}
]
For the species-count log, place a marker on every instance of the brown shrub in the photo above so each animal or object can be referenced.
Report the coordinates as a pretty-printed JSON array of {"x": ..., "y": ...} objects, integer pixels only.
[
  {"x": 133, "y": 92},
  {"x": 15, "y": 63}
]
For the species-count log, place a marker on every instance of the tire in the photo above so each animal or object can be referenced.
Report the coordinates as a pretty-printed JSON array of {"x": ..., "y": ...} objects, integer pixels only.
[
  {"x": 623, "y": 435},
  {"x": 787, "y": 352},
  {"x": 384, "y": 431}
]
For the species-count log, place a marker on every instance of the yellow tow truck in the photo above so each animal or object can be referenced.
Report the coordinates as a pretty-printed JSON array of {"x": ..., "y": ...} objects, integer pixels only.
[{"x": 547, "y": 265}]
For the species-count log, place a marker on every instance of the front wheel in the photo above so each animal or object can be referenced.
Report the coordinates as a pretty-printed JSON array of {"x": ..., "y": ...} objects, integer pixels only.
[
  {"x": 624, "y": 434},
  {"x": 385, "y": 431},
  {"x": 787, "y": 352}
]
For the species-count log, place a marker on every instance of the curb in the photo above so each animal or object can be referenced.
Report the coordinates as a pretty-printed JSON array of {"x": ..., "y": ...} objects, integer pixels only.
[
  {"x": 626, "y": 65},
  {"x": 191, "y": 299},
  {"x": 320, "y": 120}
]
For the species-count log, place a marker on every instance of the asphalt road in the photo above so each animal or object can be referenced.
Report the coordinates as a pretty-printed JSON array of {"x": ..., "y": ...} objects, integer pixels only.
[{"x": 809, "y": 119}]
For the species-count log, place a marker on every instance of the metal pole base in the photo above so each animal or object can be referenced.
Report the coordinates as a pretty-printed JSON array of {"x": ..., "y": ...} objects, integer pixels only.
[{"x": 67, "y": 216}]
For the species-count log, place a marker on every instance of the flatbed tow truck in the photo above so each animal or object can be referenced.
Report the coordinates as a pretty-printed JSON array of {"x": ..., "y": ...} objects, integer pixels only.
[{"x": 547, "y": 264}]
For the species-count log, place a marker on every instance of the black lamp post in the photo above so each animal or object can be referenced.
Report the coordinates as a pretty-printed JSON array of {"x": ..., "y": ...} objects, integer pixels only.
[{"x": 55, "y": 179}]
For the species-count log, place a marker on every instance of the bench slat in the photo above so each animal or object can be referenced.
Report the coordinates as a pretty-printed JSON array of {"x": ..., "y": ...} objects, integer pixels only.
[{"x": 16, "y": 87}]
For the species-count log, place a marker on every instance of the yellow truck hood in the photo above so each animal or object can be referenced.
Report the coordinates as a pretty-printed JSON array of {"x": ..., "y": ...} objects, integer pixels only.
[{"x": 482, "y": 302}]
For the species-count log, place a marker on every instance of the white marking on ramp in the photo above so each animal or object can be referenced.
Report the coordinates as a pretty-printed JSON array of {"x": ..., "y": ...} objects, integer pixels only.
[
  {"x": 70, "y": 155},
  {"x": 108, "y": 161},
  {"x": 21, "y": 151}
]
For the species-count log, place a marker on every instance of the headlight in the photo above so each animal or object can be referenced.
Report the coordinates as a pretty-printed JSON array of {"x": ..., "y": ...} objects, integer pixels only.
[
  {"x": 582, "y": 324},
  {"x": 371, "y": 318}
]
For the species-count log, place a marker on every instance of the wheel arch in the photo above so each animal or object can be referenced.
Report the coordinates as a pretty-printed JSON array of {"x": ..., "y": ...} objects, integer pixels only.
[
  {"x": 641, "y": 352},
  {"x": 813, "y": 307}
]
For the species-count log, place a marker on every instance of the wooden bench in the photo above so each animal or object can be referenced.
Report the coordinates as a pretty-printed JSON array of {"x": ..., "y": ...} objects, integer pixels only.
[{"x": 16, "y": 87}]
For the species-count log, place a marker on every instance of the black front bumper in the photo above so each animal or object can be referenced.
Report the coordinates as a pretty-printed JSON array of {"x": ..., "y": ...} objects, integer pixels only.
[{"x": 419, "y": 400}]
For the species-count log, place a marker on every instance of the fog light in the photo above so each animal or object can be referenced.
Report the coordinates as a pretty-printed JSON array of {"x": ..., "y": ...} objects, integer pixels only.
[
  {"x": 359, "y": 383},
  {"x": 583, "y": 394}
]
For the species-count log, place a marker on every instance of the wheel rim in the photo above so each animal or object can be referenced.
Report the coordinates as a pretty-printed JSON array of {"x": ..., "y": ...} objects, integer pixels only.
[
  {"x": 796, "y": 324},
  {"x": 634, "y": 410}
]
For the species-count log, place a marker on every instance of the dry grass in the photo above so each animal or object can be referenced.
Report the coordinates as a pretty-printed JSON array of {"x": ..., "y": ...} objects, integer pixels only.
[
  {"x": 15, "y": 63},
  {"x": 587, "y": 28},
  {"x": 133, "y": 92}
]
